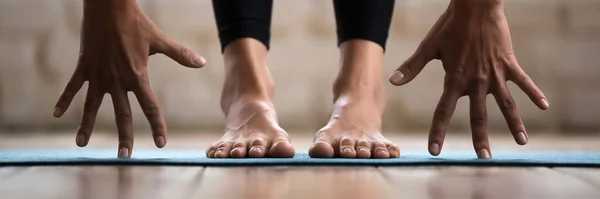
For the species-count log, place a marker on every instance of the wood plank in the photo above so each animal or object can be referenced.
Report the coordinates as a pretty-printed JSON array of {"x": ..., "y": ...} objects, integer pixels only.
[
  {"x": 102, "y": 182},
  {"x": 297, "y": 182},
  {"x": 485, "y": 182},
  {"x": 587, "y": 175},
  {"x": 293, "y": 182}
]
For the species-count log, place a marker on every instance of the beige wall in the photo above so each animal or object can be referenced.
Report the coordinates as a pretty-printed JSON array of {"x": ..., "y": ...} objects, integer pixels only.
[{"x": 556, "y": 41}]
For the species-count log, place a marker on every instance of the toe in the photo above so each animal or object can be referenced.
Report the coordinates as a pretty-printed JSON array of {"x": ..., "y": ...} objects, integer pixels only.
[
  {"x": 363, "y": 149},
  {"x": 393, "y": 150},
  {"x": 258, "y": 148},
  {"x": 380, "y": 150},
  {"x": 210, "y": 153},
  {"x": 238, "y": 150},
  {"x": 281, "y": 149},
  {"x": 223, "y": 150},
  {"x": 321, "y": 149},
  {"x": 347, "y": 148}
]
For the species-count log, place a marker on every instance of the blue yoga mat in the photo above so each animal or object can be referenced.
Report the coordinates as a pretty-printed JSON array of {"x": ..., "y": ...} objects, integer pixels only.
[{"x": 91, "y": 156}]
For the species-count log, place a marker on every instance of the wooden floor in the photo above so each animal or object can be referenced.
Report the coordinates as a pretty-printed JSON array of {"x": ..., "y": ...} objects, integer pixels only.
[{"x": 300, "y": 182}]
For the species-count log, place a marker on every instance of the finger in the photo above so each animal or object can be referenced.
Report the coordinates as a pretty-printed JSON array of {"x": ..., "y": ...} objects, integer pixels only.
[
  {"x": 409, "y": 69},
  {"x": 149, "y": 105},
  {"x": 478, "y": 114},
  {"x": 509, "y": 109},
  {"x": 177, "y": 52},
  {"x": 519, "y": 77},
  {"x": 427, "y": 51},
  {"x": 441, "y": 117},
  {"x": 71, "y": 89},
  {"x": 124, "y": 122},
  {"x": 93, "y": 101}
]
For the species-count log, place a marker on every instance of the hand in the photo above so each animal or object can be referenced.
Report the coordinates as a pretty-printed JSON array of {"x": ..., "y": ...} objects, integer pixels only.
[
  {"x": 116, "y": 40},
  {"x": 473, "y": 42}
]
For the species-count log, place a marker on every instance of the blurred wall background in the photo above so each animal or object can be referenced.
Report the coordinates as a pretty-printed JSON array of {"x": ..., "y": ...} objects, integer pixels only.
[{"x": 556, "y": 41}]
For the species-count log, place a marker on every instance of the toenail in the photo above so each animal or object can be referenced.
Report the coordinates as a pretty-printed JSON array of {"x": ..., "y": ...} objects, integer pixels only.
[
  {"x": 363, "y": 149},
  {"x": 346, "y": 150},
  {"x": 257, "y": 149}
]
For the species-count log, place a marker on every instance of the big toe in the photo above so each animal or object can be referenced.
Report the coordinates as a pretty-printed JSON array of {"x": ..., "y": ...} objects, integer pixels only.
[
  {"x": 321, "y": 149},
  {"x": 282, "y": 149}
]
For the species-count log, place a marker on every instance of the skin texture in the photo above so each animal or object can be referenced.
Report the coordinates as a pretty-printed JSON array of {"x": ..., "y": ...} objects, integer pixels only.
[
  {"x": 354, "y": 129},
  {"x": 472, "y": 39},
  {"x": 116, "y": 40},
  {"x": 252, "y": 128}
]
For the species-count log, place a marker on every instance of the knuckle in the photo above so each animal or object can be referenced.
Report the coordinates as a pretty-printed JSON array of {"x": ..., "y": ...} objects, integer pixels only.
[
  {"x": 151, "y": 110},
  {"x": 258, "y": 142},
  {"x": 509, "y": 104},
  {"x": 441, "y": 115},
  {"x": 238, "y": 145},
  {"x": 478, "y": 120},
  {"x": 346, "y": 141},
  {"x": 523, "y": 78},
  {"x": 123, "y": 118},
  {"x": 518, "y": 124},
  {"x": 481, "y": 79},
  {"x": 158, "y": 128},
  {"x": 89, "y": 107},
  {"x": 362, "y": 143},
  {"x": 409, "y": 67},
  {"x": 186, "y": 53}
]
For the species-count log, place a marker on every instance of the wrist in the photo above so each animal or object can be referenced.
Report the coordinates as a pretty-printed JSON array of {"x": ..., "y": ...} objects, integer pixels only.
[
  {"x": 477, "y": 8},
  {"x": 108, "y": 8}
]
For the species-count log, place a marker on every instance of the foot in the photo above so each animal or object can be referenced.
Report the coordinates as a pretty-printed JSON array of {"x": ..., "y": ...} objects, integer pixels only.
[
  {"x": 354, "y": 130},
  {"x": 257, "y": 135},
  {"x": 252, "y": 129}
]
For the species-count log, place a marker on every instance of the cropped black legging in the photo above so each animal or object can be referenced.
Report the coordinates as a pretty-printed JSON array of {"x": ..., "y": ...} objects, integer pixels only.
[{"x": 355, "y": 19}]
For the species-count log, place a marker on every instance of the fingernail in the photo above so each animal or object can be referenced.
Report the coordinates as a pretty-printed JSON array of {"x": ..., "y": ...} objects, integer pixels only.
[
  {"x": 123, "y": 152},
  {"x": 484, "y": 154},
  {"x": 545, "y": 104},
  {"x": 57, "y": 112},
  {"x": 199, "y": 60},
  {"x": 159, "y": 141},
  {"x": 80, "y": 140},
  {"x": 522, "y": 139},
  {"x": 396, "y": 77},
  {"x": 434, "y": 149}
]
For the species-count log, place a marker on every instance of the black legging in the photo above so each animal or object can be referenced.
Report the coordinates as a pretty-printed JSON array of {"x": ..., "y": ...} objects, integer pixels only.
[{"x": 355, "y": 19}]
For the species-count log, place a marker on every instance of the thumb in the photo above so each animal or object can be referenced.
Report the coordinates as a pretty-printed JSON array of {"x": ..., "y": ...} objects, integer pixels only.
[
  {"x": 180, "y": 54},
  {"x": 409, "y": 69}
]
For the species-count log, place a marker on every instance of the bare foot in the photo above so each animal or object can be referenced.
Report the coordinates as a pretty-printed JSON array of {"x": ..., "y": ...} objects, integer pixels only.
[
  {"x": 354, "y": 130},
  {"x": 252, "y": 128}
]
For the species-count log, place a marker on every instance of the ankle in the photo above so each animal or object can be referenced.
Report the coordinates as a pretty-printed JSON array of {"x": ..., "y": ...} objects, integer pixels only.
[
  {"x": 360, "y": 71},
  {"x": 247, "y": 77}
]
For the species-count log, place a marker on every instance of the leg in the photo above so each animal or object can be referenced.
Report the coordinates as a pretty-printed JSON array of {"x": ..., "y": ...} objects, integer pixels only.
[
  {"x": 354, "y": 130},
  {"x": 252, "y": 129}
]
